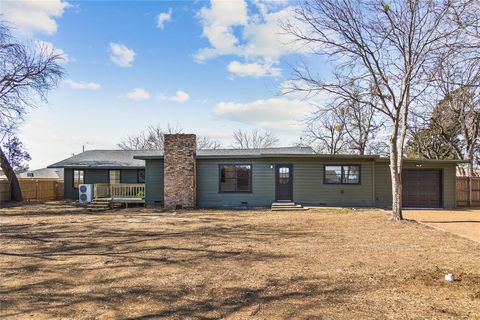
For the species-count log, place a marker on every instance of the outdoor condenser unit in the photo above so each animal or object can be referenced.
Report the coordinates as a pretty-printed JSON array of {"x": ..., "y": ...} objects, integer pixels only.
[{"x": 85, "y": 193}]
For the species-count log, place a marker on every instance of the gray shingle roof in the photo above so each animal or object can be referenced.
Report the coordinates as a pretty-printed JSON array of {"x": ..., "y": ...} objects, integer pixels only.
[
  {"x": 103, "y": 159},
  {"x": 43, "y": 173},
  {"x": 134, "y": 159},
  {"x": 125, "y": 158},
  {"x": 231, "y": 153}
]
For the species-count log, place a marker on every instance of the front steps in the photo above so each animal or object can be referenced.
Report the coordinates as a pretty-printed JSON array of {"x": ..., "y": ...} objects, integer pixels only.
[
  {"x": 99, "y": 205},
  {"x": 287, "y": 206}
]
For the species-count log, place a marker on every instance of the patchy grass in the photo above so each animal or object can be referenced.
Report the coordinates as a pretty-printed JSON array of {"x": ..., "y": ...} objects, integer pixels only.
[{"x": 58, "y": 261}]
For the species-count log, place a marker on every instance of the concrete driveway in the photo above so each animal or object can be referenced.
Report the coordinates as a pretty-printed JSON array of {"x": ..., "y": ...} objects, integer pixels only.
[{"x": 462, "y": 222}]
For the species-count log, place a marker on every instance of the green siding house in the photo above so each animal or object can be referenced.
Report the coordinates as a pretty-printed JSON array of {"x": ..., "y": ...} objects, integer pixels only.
[{"x": 235, "y": 178}]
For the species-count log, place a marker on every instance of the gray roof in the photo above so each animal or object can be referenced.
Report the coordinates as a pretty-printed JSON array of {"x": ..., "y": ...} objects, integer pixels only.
[
  {"x": 44, "y": 173},
  {"x": 107, "y": 159},
  {"x": 134, "y": 159},
  {"x": 238, "y": 153}
]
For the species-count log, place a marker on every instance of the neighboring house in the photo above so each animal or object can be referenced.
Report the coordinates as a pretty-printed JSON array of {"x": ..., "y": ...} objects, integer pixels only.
[
  {"x": 44, "y": 173},
  {"x": 181, "y": 177}
]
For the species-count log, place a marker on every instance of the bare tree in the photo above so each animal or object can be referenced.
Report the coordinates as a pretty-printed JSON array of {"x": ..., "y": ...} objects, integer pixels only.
[
  {"x": 361, "y": 125},
  {"x": 27, "y": 74},
  {"x": 427, "y": 140},
  {"x": 345, "y": 125},
  {"x": 253, "y": 139},
  {"x": 207, "y": 143},
  {"x": 457, "y": 77},
  {"x": 387, "y": 49},
  {"x": 325, "y": 132},
  {"x": 467, "y": 17},
  {"x": 153, "y": 139}
]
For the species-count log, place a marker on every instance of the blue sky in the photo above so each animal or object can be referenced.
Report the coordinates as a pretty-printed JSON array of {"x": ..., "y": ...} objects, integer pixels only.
[{"x": 209, "y": 67}]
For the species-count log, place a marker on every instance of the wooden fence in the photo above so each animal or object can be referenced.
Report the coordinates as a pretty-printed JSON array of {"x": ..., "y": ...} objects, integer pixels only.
[
  {"x": 465, "y": 197},
  {"x": 34, "y": 189},
  {"x": 4, "y": 191}
]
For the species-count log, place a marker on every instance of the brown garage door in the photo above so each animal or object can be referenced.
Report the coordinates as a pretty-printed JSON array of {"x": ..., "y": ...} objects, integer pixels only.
[{"x": 422, "y": 188}]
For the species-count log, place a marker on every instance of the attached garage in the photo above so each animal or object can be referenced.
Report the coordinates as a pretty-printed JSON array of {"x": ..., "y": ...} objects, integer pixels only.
[{"x": 422, "y": 188}]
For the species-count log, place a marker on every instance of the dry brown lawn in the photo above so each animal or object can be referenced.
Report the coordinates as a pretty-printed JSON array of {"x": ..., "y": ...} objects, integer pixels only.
[{"x": 57, "y": 261}]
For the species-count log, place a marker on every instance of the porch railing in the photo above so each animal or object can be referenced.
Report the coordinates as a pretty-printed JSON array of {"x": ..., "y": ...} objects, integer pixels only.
[{"x": 119, "y": 190}]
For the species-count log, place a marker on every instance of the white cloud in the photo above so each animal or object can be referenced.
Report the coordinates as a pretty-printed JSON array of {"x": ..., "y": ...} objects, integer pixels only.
[
  {"x": 268, "y": 40},
  {"x": 258, "y": 38},
  {"x": 180, "y": 97},
  {"x": 50, "y": 48},
  {"x": 121, "y": 55},
  {"x": 81, "y": 85},
  {"x": 252, "y": 69},
  {"x": 273, "y": 113},
  {"x": 33, "y": 16},
  {"x": 164, "y": 17},
  {"x": 218, "y": 22},
  {"x": 138, "y": 94}
]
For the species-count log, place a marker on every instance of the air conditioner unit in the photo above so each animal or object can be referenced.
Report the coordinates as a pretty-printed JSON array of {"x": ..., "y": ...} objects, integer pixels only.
[{"x": 85, "y": 193}]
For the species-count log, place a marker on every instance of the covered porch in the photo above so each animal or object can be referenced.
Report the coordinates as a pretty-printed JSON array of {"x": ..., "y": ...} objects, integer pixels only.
[{"x": 119, "y": 192}]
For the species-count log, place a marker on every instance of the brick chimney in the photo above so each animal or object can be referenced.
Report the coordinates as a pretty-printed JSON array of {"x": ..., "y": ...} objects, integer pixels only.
[{"x": 179, "y": 171}]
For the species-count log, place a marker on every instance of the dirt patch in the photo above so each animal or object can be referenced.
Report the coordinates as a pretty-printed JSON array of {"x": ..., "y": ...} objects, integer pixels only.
[
  {"x": 318, "y": 264},
  {"x": 465, "y": 223}
]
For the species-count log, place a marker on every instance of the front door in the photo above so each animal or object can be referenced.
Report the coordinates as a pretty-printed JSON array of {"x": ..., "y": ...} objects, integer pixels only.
[{"x": 284, "y": 182}]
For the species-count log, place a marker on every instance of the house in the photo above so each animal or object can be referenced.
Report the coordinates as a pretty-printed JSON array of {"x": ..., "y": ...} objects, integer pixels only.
[
  {"x": 43, "y": 173},
  {"x": 182, "y": 177}
]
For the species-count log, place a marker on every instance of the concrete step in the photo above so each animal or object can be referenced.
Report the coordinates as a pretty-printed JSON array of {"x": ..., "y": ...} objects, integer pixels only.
[
  {"x": 290, "y": 209},
  {"x": 283, "y": 204},
  {"x": 287, "y": 206}
]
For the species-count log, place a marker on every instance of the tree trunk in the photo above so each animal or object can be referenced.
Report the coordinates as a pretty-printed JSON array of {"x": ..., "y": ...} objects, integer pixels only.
[
  {"x": 396, "y": 175},
  {"x": 15, "y": 191}
]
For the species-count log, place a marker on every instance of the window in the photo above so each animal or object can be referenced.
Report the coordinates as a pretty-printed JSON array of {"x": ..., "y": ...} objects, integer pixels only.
[
  {"x": 283, "y": 175},
  {"x": 114, "y": 176},
  {"x": 78, "y": 178},
  {"x": 141, "y": 176},
  {"x": 351, "y": 175},
  {"x": 236, "y": 178},
  {"x": 333, "y": 174},
  {"x": 338, "y": 174}
]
